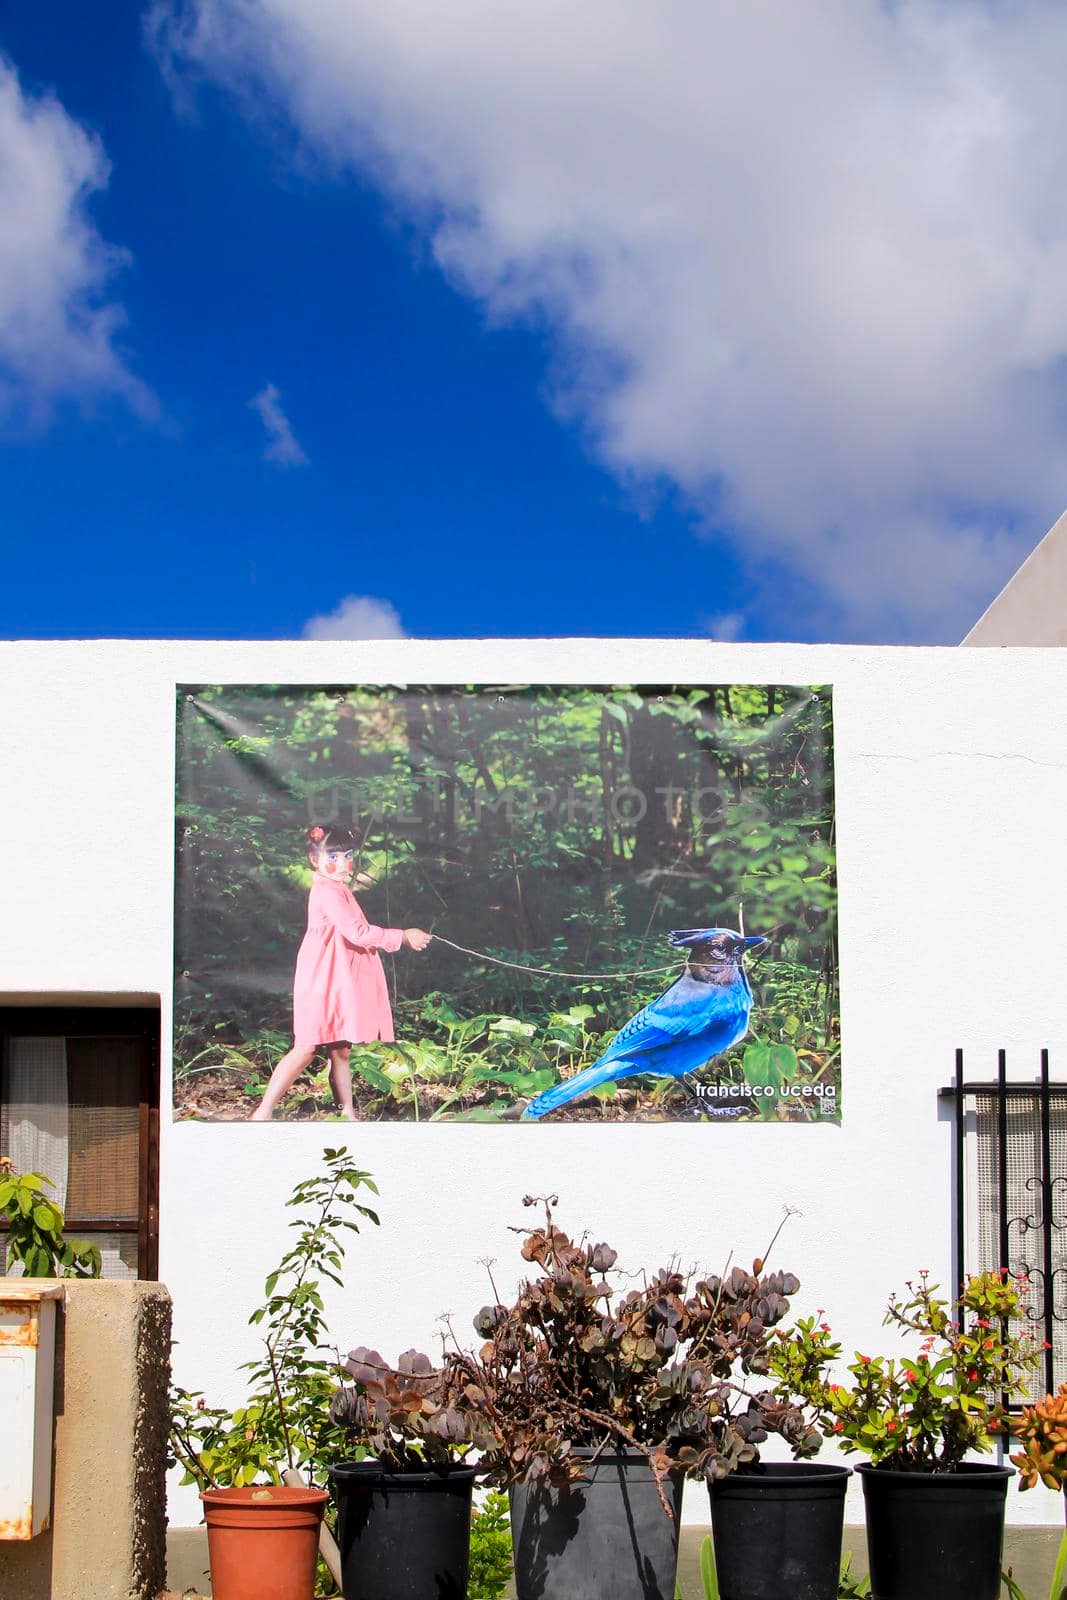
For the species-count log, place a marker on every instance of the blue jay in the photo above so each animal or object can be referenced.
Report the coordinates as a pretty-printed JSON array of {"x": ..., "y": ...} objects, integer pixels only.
[{"x": 705, "y": 1011}]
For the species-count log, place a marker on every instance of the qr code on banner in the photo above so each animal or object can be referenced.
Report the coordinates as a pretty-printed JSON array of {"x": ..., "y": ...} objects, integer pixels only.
[{"x": 827, "y": 1107}]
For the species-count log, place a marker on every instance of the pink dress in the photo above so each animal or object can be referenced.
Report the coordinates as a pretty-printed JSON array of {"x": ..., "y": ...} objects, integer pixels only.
[{"x": 339, "y": 991}]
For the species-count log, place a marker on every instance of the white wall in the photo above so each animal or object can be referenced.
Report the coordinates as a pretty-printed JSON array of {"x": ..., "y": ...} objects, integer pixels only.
[{"x": 951, "y": 796}]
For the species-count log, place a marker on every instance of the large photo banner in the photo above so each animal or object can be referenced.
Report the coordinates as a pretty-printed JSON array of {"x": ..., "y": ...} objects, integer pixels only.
[{"x": 503, "y": 903}]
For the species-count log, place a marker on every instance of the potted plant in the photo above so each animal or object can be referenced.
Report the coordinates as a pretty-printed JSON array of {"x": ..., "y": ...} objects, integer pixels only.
[
  {"x": 776, "y": 1524},
  {"x": 935, "y": 1519},
  {"x": 603, "y": 1400},
  {"x": 404, "y": 1505},
  {"x": 264, "y": 1521},
  {"x": 1042, "y": 1428}
]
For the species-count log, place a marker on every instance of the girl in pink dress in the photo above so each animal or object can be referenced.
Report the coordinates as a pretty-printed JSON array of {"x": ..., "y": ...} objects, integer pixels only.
[{"x": 340, "y": 995}]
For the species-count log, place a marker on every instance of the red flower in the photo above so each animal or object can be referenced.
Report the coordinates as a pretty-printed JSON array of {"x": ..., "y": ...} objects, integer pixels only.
[
  {"x": 824, "y": 1327},
  {"x": 839, "y": 1427},
  {"x": 987, "y": 1344},
  {"x": 316, "y": 834},
  {"x": 972, "y": 1375},
  {"x": 890, "y": 1427},
  {"x": 866, "y": 1360}
]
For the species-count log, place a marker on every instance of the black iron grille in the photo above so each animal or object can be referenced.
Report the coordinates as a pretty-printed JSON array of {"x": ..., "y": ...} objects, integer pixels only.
[{"x": 1011, "y": 1198}]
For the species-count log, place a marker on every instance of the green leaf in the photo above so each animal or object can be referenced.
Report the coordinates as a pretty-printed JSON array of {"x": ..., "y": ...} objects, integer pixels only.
[
  {"x": 769, "y": 1065},
  {"x": 374, "y": 1076},
  {"x": 512, "y": 1025},
  {"x": 709, "y": 1577}
]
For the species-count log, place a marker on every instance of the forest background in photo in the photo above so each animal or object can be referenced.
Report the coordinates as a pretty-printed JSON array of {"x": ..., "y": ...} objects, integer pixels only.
[{"x": 563, "y": 827}]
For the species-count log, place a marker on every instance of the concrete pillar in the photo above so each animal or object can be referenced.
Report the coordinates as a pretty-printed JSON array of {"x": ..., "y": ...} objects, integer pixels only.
[{"x": 108, "y": 1535}]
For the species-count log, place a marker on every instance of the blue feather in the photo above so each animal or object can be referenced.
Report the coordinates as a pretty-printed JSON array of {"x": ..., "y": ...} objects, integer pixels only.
[{"x": 701, "y": 1014}]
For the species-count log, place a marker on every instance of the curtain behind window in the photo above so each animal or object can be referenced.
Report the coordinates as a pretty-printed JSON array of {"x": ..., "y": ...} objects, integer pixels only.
[
  {"x": 1026, "y": 1224},
  {"x": 37, "y": 1111}
]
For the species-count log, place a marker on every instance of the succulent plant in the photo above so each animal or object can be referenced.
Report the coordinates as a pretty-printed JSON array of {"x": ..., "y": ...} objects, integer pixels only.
[
  {"x": 413, "y": 1414},
  {"x": 664, "y": 1369},
  {"x": 1042, "y": 1428}
]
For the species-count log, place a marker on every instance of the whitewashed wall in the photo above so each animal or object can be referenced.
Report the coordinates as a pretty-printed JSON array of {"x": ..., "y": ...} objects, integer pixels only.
[{"x": 951, "y": 799}]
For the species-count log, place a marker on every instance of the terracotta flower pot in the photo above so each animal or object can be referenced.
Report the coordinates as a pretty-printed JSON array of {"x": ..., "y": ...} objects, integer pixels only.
[{"x": 262, "y": 1541}]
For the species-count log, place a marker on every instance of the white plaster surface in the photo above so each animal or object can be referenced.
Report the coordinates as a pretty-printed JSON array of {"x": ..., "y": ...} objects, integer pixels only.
[{"x": 951, "y": 776}]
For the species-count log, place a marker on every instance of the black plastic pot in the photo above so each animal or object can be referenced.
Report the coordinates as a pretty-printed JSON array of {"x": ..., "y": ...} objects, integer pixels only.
[
  {"x": 606, "y": 1534},
  {"x": 777, "y": 1530},
  {"x": 403, "y": 1535},
  {"x": 935, "y": 1535}
]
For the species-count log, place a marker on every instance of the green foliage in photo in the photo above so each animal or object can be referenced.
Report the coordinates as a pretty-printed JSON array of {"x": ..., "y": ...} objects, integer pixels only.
[{"x": 567, "y": 829}]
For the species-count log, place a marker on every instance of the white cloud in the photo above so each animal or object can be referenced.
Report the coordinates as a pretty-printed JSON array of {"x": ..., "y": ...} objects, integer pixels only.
[
  {"x": 807, "y": 259},
  {"x": 358, "y": 616},
  {"x": 282, "y": 445},
  {"x": 726, "y": 626},
  {"x": 58, "y": 330}
]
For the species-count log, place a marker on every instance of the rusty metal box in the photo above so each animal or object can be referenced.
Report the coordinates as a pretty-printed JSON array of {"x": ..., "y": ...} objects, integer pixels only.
[{"x": 27, "y": 1370}]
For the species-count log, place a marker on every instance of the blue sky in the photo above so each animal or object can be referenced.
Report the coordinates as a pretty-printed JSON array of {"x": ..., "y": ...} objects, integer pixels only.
[{"x": 483, "y": 442}]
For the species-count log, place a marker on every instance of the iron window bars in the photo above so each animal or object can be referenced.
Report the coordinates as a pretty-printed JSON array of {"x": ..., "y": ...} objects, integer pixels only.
[{"x": 1011, "y": 1197}]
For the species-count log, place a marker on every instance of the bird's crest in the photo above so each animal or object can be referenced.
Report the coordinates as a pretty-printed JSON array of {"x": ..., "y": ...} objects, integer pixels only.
[{"x": 728, "y": 938}]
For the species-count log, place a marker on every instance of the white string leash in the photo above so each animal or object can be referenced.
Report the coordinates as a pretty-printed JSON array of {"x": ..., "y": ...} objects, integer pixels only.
[{"x": 552, "y": 972}]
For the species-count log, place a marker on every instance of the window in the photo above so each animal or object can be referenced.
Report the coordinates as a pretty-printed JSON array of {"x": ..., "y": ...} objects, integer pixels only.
[
  {"x": 79, "y": 1102},
  {"x": 1011, "y": 1198}
]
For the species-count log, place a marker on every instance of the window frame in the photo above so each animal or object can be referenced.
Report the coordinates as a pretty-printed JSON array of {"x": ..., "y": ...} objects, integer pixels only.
[
  {"x": 127, "y": 1022},
  {"x": 1038, "y": 1096}
]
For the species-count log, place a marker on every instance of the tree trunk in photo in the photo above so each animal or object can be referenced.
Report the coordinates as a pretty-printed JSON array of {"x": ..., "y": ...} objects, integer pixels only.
[
  {"x": 654, "y": 828},
  {"x": 417, "y": 730}
]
